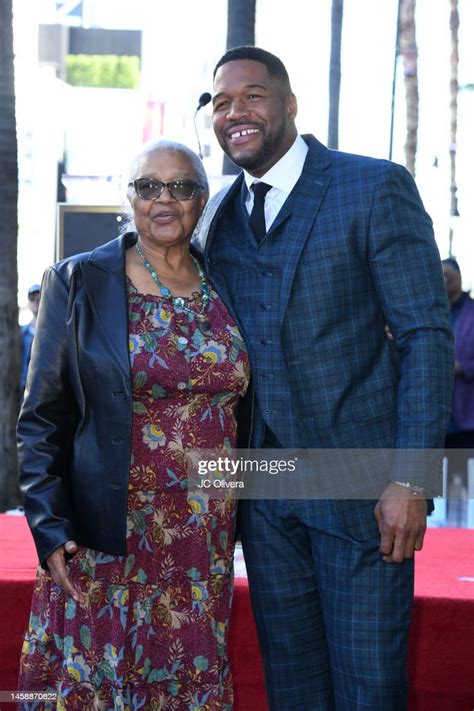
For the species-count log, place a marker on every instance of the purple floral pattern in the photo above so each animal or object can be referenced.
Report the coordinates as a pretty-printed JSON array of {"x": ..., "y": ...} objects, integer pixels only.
[{"x": 153, "y": 631}]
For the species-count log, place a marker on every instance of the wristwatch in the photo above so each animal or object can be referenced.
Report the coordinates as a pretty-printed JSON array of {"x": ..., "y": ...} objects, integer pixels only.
[{"x": 414, "y": 488}]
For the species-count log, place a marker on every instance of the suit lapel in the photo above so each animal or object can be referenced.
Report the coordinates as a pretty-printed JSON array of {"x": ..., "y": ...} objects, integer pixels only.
[
  {"x": 104, "y": 280},
  {"x": 207, "y": 234},
  {"x": 303, "y": 205}
]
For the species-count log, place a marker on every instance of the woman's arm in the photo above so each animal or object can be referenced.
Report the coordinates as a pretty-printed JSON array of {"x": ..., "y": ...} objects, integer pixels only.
[{"x": 47, "y": 423}]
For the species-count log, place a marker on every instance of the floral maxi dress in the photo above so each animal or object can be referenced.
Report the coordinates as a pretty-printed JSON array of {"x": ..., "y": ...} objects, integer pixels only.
[{"x": 152, "y": 634}]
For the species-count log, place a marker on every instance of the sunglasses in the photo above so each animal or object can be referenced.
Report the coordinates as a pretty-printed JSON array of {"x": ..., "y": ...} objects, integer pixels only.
[{"x": 149, "y": 189}]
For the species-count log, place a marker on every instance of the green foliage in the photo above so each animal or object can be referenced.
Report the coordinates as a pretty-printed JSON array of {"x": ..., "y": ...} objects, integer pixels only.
[
  {"x": 140, "y": 379},
  {"x": 201, "y": 663},
  {"x": 158, "y": 391},
  {"x": 141, "y": 576},
  {"x": 103, "y": 70},
  {"x": 70, "y": 609},
  {"x": 138, "y": 653},
  {"x": 130, "y": 562},
  {"x": 223, "y": 539},
  {"x": 85, "y": 635},
  {"x": 139, "y": 408}
]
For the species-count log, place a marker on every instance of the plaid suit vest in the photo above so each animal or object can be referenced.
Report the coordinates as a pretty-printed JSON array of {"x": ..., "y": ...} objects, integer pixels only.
[{"x": 251, "y": 275}]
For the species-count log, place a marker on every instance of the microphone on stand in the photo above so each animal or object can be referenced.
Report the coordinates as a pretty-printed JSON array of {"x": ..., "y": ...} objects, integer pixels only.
[{"x": 204, "y": 99}]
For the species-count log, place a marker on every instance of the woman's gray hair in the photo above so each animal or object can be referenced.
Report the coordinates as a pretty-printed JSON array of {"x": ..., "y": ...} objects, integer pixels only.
[{"x": 154, "y": 147}]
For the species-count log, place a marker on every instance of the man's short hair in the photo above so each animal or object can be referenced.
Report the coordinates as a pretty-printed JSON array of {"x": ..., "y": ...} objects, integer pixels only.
[
  {"x": 275, "y": 67},
  {"x": 451, "y": 262}
]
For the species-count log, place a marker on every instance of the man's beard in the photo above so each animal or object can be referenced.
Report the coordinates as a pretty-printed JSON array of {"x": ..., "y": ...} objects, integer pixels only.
[{"x": 262, "y": 156}]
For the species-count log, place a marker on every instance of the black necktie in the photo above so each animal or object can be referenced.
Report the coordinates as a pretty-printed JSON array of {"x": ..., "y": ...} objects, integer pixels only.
[{"x": 257, "y": 216}]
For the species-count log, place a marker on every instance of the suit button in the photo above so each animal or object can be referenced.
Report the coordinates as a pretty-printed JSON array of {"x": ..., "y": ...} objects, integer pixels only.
[
  {"x": 265, "y": 342},
  {"x": 116, "y": 485},
  {"x": 267, "y": 376},
  {"x": 265, "y": 307},
  {"x": 118, "y": 393},
  {"x": 265, "y": 274},
  {"x": 118, "y": 440}
]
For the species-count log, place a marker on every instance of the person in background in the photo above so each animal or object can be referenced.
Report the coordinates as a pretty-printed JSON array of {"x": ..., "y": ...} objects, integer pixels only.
[
  {"x": 27, "y": 333},
  {"x": 460, "y": 437},
  {"x": 315, "y": 251},
  {"x": 136, "y": 364}
]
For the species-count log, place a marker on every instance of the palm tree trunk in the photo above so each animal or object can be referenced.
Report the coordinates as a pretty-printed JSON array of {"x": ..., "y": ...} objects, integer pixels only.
[
  {"x": 409, "y": 51},
  {"x": 240, "y": 30},
  {"x": 9, "y": 332},
  {"x": 335, "y": 73},
  {"x": 240, "y": 23},
  {"x": 454, "y": 86}
]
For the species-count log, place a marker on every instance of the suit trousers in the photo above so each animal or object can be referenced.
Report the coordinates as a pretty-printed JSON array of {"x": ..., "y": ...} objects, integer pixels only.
[{"x": 332, "y": 617}]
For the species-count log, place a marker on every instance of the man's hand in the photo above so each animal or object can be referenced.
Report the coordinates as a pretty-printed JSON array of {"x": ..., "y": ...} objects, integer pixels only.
[
  {"x": 59, "y": 572},
  {"x": 401, "y": 517}
]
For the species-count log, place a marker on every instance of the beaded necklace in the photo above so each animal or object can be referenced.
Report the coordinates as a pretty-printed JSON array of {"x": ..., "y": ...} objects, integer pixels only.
[{"x": 179, "y": 303}]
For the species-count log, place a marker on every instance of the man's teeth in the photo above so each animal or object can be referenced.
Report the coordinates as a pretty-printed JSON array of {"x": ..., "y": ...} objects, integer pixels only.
[{"x": 245, "y": 132}]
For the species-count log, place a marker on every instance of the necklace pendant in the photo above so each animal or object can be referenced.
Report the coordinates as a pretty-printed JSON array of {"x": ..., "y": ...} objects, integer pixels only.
[
  {"x": 178, "y": 302},
  {"x": 203, "y": 324}
]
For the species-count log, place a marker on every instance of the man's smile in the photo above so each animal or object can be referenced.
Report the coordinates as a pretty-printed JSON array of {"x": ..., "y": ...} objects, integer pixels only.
[{"x": 241, "y": 134}]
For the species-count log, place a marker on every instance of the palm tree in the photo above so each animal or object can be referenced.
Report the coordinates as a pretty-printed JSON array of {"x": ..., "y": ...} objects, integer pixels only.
[
  {"x": 409, "y": 51},
  {"x": 9, "y": 333},
  {"x": 335, "y": 73},
  {"x": 240, "y": 30},
  {"x": 240, "y": 23},
  {"x": 454, "y": 85}
]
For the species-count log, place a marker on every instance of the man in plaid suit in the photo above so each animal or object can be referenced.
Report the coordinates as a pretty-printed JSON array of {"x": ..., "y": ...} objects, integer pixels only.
[{"x": 313, "y": 263}]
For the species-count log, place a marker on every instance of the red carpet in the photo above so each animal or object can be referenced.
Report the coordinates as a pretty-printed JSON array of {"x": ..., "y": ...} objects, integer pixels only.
[{"x": 441, "y": 659}]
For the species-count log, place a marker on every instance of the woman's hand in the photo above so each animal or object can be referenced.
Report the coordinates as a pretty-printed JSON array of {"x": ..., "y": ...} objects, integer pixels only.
[{"x": 59, "y": 572}]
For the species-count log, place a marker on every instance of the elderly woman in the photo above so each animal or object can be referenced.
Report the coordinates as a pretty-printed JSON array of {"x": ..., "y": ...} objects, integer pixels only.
[{"x": 136, "y": 362}]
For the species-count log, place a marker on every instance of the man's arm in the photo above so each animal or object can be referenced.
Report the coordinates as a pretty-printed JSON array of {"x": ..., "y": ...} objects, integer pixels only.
[
  {"x": 406, "y": 269},
  {"x": 401, "y": 518}
]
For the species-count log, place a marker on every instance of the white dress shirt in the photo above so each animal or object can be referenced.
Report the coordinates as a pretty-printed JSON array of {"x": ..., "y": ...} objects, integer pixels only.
[{"x": 283, "y": 177}]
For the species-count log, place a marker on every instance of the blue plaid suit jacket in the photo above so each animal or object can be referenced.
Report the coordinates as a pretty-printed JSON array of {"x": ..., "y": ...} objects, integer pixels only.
[{"x": 363, "y": 255}]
